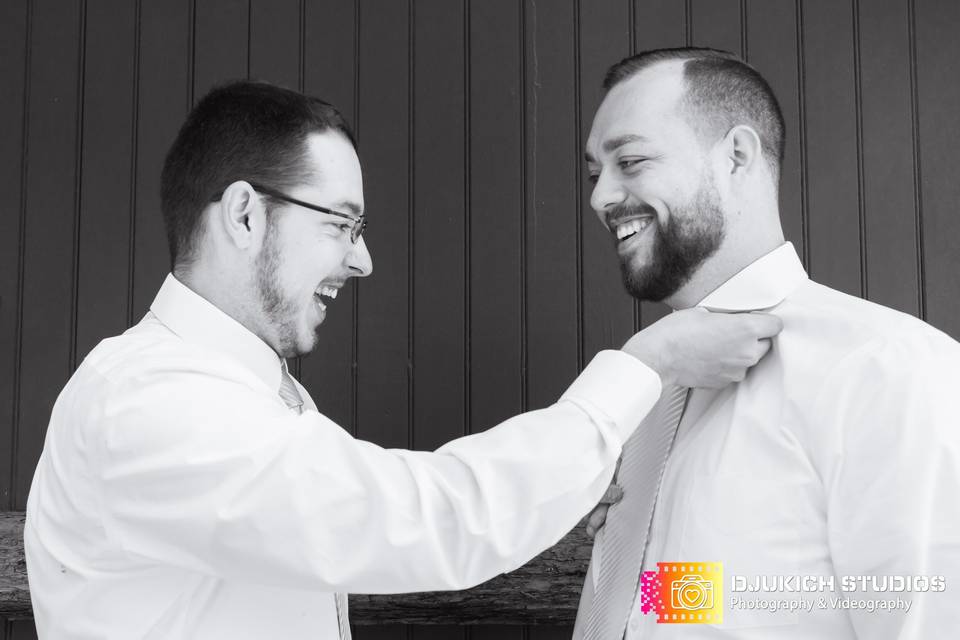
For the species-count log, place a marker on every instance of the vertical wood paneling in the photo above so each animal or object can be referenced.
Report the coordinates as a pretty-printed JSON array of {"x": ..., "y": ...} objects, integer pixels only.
[
  {"x": 772, "y": 48},
  {"x": 440, "y": 631},
  {"x": 105, "y": 186},
  {"x": 500, "y": 632},
  {"x": 163, "y": 95},
  {"x": 329, "y": 50},
  {"x": 608, "y": 312},
  {"x": 658, "y": 24},
  {"x": 938, "y": 111},
  {"x": 552, "y": 169},
  {"x": 275, "y": 39},
  {"x": 439, "y": 222},
  {"x": 22, "y": 630},
  {"x": 385, "y": 632},
  {"x": 329, "y": 46},
  {"x": 49, "y": 243},
  {"x": 549, "y": 632},
  {"x": 831, "y": 139},
  {"x": 496, "y": 211},
  {"x": 221, "y": 43},
  {"x": 14, "y": 34},
  {"x": 716, "y": 24},
  {"x": 552, "y": 232},
  {"x": 383, "y": 320},
  {"x": 889, "y": 196}
]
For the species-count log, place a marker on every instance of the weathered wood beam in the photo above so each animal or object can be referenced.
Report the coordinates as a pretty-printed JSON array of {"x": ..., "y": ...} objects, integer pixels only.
[
  {"x": 14, "y": 593},
  {"x": 544, "y": 591}
]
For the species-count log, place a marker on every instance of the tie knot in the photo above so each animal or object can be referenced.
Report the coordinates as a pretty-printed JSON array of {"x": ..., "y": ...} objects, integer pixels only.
[{"x": 288, "y": 391}]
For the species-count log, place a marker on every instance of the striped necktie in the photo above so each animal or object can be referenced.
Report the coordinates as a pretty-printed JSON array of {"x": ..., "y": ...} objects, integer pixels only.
[
  {"x": 627, "y": 527},
  {"x": 291, "y": 396},
  {"x": 288, "y": 391}
]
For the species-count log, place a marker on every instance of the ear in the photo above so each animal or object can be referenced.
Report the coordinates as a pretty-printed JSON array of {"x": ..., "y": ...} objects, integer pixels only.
[
  {"x": 743, "y": 149},
  {"x": 239, "y": 213}
]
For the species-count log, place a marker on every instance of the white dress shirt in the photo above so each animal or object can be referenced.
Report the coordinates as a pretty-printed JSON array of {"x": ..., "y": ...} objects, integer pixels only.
[
  {"x": 839, "y": 454},
  {"x": 178, "y": 497}
]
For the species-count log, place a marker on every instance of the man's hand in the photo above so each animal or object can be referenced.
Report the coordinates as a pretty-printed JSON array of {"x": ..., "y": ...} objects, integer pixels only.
[
  {"x": 599, "y": 514},
  {"x": 698, "y": 348}
]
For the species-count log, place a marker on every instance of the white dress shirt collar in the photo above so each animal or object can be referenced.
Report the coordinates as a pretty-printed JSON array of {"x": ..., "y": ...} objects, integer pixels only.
[
  {"x": 763, "y": 284},
  {"x": 196, "y": 320}
]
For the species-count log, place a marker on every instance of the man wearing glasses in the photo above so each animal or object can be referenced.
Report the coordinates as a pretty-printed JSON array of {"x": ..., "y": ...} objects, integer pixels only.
[{"x": 188, "y": 485}]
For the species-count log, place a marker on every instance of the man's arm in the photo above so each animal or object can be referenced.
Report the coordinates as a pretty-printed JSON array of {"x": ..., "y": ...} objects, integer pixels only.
[
  {"x": 197, "y": 471},
  {"x": 892, "y": 479}
]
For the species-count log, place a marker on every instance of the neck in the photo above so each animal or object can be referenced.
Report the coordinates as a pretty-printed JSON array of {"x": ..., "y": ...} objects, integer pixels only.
[
  {"x": 207, "y": 282},
  {"x": 737, "y": 251}
]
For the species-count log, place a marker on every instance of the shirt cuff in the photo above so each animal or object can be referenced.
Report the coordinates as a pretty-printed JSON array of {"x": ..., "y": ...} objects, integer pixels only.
[{"x": 620, "y": 385}]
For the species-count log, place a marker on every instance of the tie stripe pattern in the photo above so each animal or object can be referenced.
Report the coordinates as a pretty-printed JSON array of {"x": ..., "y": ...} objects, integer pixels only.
[
  {"x": 343, "y": 619},
  {"x": 627, "y": 527},
  {"x": 288, "y": 391},
  {"x": 291, "y": 397}
]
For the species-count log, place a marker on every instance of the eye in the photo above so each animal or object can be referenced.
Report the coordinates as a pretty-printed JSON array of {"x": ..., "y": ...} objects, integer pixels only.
[
  {"x": 337, "y": 228},
  {"x": 626, "y": 163},
  {"x": 593, "y": 178}
]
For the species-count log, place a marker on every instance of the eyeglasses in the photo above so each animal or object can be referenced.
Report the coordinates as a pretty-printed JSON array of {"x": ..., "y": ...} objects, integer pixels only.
[{"x": 359, "y": 222}]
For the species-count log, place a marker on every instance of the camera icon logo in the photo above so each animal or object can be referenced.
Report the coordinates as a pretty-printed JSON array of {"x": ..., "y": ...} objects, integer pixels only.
[
  {"x": 691, "y": 593},
  {"x": 683, "y": 592}
]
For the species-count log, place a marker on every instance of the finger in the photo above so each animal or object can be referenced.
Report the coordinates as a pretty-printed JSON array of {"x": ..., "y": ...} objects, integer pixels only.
[
  {"x": 763, "y": 347},
  {"x": 612, "y": 495},
  {"x": 597, "y": 517},
  {"x": 765, "y": 325},
  {"x": 594, "y": 523}
]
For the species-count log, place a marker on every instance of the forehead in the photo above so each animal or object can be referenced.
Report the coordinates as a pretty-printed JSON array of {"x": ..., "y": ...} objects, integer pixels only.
[
  {"x": 337, "y": 176},
  {"x": 645, "y": 105}
]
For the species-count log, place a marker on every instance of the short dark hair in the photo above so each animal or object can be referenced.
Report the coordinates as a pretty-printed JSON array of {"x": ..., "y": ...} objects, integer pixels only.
[
  {"x": 241, "y": 130},
  {"x": 721, "y": 91}
]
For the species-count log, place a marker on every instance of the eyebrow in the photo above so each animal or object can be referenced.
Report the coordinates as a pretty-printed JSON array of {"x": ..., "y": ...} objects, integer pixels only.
[
  {"x": 616, "y": 143},
  {"x": 352, "y": 207}
]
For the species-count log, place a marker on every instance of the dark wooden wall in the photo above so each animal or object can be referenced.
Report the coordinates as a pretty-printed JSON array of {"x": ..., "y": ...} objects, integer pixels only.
[{"x": 493, "y": 281}]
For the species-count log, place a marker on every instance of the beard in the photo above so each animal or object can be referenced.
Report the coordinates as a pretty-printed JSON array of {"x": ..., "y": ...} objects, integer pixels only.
[
  {"x": 280, "y": 310},
  {"x": 692, "y": 234}
]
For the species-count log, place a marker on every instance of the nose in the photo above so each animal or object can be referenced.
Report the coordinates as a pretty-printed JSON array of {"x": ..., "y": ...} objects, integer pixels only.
[
  {"x": 607, "y": 194},
  {"x": 359, "y": 261}
]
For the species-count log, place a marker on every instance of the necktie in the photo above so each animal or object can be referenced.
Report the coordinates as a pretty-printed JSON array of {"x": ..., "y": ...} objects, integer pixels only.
[
  {"x": 291, "y": 396},
  {"x": 627, "y": 526},
  {"x": 288, "y": 391}
]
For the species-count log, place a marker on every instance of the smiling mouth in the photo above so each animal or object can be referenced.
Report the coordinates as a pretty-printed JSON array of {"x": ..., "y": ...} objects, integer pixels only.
[
  {"x": 325, "y": 294},
  {"x": 630, "y": 228}
]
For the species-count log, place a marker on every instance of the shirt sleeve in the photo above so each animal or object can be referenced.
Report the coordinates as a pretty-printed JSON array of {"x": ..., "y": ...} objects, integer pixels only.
[
  {"x": 197, "y": 471},
  {"x": 893, "y": 482}
]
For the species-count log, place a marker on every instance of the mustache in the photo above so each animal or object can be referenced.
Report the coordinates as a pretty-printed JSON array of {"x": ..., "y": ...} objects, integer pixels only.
[{"x": 624, "y": 211}]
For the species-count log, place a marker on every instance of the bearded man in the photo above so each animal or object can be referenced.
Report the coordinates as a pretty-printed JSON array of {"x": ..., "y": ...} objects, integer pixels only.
[{"x": 833, "y": 467}]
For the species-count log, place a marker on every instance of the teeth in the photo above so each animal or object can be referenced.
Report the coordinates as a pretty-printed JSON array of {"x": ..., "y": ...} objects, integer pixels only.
[
  {"x": 330, "y": 292},
  {"x": 634, "y": 226}
]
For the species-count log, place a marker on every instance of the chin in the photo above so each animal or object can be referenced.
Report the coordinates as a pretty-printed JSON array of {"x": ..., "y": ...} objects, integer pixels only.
[{"x": 308, "y": 341}]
